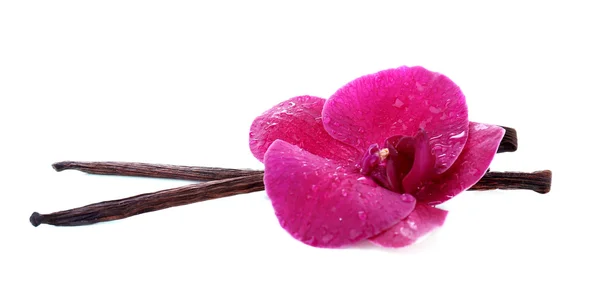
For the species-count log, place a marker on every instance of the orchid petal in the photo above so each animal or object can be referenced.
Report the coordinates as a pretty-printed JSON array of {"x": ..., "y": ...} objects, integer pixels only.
[
  {"x": 471, "y": 165},
  {"x": 423, "y": 165},
  {"x": 400, "y": 101},
  {"x": 420, "y": 222},
  {"x": 325, "y": 204},
  {"x": 297, "y": 121}
]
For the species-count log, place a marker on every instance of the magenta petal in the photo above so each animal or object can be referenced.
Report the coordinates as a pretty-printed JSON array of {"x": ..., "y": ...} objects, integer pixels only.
[
  {"x": 400, "y": 101},
  {"x": 420, "y": 222},
  {"x": 480, "y": 149},
  {"x": 423, "y": 165},
  {"x": 297, "y": 121},
  {"x": 325, "y": 204}
]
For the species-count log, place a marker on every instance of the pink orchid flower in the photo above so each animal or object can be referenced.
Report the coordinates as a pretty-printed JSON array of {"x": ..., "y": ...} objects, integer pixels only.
[{"x": 372, "y": 161}]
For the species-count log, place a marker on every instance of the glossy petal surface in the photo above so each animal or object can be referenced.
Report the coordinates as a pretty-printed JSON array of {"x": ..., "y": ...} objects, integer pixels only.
[
  {"x": 481, "y": 146},
  {"x": 297, "y": 121},
  {"x": 325, "y": 204},
  {"x": 420, "y": 222},
  {"x": 400, "y": 101},
  {"x": 423, "y": 164}
]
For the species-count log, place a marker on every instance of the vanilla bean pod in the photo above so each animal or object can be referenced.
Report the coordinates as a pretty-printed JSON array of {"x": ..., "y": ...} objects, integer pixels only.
[
  {"x": 138, "y": 169},
  {"x": 195, "y": 173},
  {"x": 148, "y": 202},
  {"x": 539, "y": 181},
  {"x": 510, "y": 141},
  {"x": 119, "y": 209}
]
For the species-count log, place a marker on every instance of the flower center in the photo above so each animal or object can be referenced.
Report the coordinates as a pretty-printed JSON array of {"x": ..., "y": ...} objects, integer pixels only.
[{"x": 388, "y": 166}]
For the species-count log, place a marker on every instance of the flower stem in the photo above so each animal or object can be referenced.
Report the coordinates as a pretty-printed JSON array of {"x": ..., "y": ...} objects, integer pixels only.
[
  {"x": 148, "y": 202},
  {"x": 119, "y": 209},
  {"x": 154, "y": 170},
  {"x": 539, "y": 181}
]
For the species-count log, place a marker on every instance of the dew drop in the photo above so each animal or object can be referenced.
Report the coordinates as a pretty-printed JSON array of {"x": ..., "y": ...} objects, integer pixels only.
[
  {"x": 406, "y": 232},
  {"x": 326, "y": 119},
  {"x": 434, "y": 110},
  {"x": 457, "y": 136},
  {"x": 480, "y": 126},
  {"x": 353, "y": 234},
  {"x": 344, "y": 192},
  {"x": 314, "y": 188},
  {"x": 326, "y": 238},
  {"x": 398, "y": 103},
  {"x": 406, "y": 198},
  {"x": 362, "y": 215},
  {"x": 419, "y": 86}
]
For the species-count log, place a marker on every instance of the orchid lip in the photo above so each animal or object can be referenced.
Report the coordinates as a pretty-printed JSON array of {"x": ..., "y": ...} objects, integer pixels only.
[{"x": 389, "y": 165}]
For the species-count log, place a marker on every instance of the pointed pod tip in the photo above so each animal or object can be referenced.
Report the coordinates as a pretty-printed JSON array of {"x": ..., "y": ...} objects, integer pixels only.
[{"x": 60, "y": 166}]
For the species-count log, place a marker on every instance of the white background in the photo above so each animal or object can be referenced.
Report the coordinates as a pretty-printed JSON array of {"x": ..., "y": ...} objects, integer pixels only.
[{"x": 180, "y": 82}]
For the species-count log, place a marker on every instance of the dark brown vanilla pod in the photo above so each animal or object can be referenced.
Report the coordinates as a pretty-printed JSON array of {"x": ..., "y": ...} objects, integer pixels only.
[
  {"x": 119, "y": 209},
  {"x": 540, "y": 181},
  {"x": 196, "y": 173},
  {"x": 509, "y": 141},
  {"x": 148, "y": 202},
  {"x": 136, "y": 169}
]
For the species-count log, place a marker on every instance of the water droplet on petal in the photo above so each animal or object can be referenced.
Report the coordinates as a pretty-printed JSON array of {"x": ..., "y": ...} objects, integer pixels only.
[
  {"x": 344, "y": 193},
  {"x": 326, "y": 119},
  {"x": 314, "y": 188},
  {"x": 406, "y": 232},
  {"x": 353, "y": 234},
  {"x": 434, "y": 110},
  {"x": 406, "y": 197},
  {"x": 412, "y": 224},
  {"x": 398, "y": 103},
  {"x": 326, "y": 238},
  {"x": 362, "y": 215},
  {"x": 419, "y": 86},
  {"x": 462, "y": 134}
]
